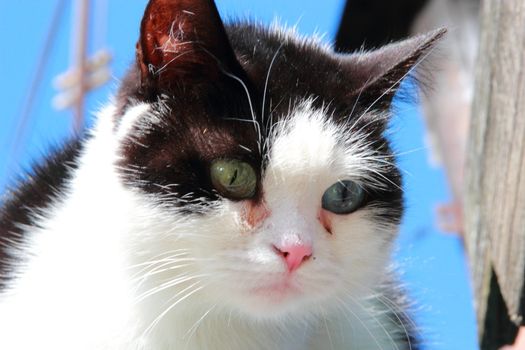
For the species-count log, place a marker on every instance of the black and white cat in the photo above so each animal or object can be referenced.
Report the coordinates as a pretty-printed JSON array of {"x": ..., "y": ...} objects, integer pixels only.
[{"x": 237, "y": 194}]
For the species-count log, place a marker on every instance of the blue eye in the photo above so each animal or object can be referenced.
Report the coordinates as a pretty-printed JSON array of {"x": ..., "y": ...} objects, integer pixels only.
[{"x": 343, "y": 197}]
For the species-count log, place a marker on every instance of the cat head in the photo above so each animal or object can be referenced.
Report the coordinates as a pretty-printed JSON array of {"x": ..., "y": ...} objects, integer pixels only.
[{"x": 265, "y": 184}]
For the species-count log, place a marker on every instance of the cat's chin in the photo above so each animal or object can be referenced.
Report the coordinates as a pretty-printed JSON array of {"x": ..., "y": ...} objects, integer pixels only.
[
  {"x": 275, "y": 307},
  {"x": 277, "y": 293},
  {"x": 277, "y": 300}
]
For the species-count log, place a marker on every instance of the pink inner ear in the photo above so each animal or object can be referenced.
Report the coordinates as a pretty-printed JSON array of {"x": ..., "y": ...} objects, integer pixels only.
[
  {"x": 183, "y": 39},
  {"x": 256, "y": 213},
  {"x": 170, "y": 48},
  {"x": 162, "y": 41},
  {"x": 168, "y": 44}
]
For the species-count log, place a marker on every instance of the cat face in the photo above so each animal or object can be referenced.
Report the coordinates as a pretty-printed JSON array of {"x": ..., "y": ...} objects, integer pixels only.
[
  {"x": 263, "y": 182},
  {"x": 328, "y": 254}
]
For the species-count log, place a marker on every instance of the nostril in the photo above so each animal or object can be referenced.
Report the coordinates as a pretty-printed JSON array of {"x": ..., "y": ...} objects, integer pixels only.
[
  {"x": 295, "y": 254},
  {"x": 280, "y": 252}
]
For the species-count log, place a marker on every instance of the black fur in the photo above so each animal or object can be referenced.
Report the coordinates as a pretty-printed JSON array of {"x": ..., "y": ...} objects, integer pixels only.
[{"x": 208, "y": 120}]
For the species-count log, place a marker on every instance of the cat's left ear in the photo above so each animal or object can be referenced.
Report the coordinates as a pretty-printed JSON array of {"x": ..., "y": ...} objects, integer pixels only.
[
  {"x": 183, "y": 41},
  {"x": 376, "y": 75}
]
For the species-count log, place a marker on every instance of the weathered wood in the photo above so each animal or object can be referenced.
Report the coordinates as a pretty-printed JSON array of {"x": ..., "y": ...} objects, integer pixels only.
[{"x": 495, "y": 171}]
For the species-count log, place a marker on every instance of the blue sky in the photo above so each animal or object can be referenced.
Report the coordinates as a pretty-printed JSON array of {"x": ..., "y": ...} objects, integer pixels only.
[{"x": 432, "y": 264}]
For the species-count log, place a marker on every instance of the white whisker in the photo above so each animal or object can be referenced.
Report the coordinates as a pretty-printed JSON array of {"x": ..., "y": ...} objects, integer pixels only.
[
  {"x": 153, "y": 324},
  {"x": 327, "y": 329},
  {"x": 361, "y": 322},
  {"x": 196, "y": 325},
  {"x": 167, "y": 285},
  {"x": 375, "y": 319},
  {"x": 256, "y": 124},
  {"x": 268, "y": 79}
]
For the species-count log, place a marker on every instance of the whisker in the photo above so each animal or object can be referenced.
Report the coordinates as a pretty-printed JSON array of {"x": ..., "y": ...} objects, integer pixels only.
[
  {"x": 246, "y": 90},
  {"x": 159, "y": 270},
  {"x": 419, "y": 149},
  {"x": 255, "y": 122},
  {"x": 153, "y": 324},
  {"x": 268, "y": 78},
  {"x": 327, "y": 329},
  {"x": 355, "y": 104},
  {"x": 360, "y": 321},
  {"x": 152, "y": 262},
  {"x": 375, "y": 319},
  {"x": 391, "y": 306},
  {"x": 196, "y": 325},
  {"x": 167, "y": 285},
  {"x": 401, "y": 322}
]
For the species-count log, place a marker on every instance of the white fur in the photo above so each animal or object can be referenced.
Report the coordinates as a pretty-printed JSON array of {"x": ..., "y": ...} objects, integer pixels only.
[{"x": 104, "y": 252}]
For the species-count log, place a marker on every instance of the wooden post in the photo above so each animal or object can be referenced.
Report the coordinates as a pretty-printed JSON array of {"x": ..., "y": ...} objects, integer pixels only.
[{"x": 495, "y": 173}]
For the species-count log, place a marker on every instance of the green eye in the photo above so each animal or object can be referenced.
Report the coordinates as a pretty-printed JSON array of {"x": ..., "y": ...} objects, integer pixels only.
[
  {"x": 343, "y": 197},
  {"x": 233, "y": 178}
]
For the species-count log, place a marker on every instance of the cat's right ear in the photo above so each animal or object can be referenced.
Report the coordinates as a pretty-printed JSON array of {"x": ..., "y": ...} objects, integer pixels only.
[
  {"x": 182, "y": 42},
  {"x": 376, "y": 75}
]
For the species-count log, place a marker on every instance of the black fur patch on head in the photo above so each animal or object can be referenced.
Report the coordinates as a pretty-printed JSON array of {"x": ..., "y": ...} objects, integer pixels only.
[
  {"x": 172, "y": 158},
  {"x": 33, "y": 196},
  {"x": 221, "y": 96}
]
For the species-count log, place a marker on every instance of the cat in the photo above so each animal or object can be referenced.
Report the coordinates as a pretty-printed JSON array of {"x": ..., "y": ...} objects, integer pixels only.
[{"x": 237, "y": 193}]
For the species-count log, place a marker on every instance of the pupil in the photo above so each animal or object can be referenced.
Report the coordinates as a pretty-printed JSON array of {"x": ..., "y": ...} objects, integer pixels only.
[
  {"x": 344, "y": 193},
  {"x": 234, "y": 177}
]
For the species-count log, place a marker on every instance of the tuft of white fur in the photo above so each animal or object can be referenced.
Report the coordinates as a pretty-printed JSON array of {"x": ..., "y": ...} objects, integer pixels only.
[
  {"x": 113, "y": 268},
  {"x": 287, "y": 33}
]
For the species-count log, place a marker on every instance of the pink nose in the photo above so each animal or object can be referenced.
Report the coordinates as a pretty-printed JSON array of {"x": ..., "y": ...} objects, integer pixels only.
[{"x": 294, "y": 254}]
